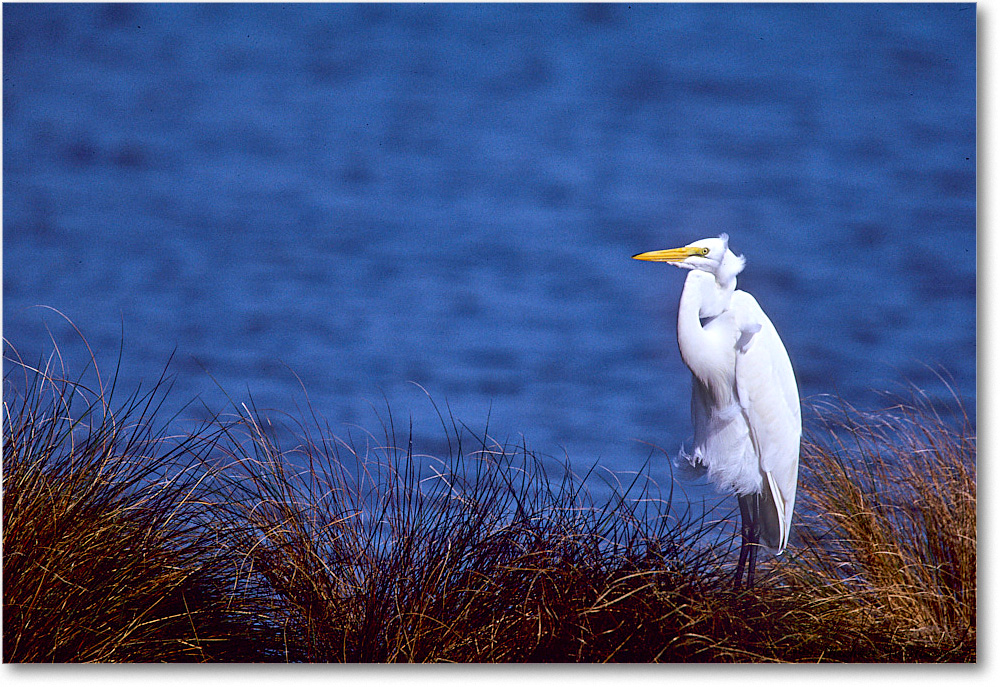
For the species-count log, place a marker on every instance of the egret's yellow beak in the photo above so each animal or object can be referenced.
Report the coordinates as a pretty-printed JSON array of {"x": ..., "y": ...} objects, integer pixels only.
[{"x": 669, "y": 255}]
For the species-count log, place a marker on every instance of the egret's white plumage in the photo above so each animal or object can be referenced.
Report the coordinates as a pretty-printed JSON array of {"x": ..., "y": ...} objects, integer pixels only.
[{"x": 744, "y": 400}]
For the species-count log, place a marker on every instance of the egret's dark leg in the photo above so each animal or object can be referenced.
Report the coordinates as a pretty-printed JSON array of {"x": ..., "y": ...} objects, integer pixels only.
[
  {"x": 752, "y": 566},
  {"x": 744, "y": 550},
  {"x": 750, "y": 535}
]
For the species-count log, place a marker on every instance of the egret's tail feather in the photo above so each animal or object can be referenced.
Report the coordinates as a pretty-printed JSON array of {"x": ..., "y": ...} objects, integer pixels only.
[{"x": 772, "y": 516}]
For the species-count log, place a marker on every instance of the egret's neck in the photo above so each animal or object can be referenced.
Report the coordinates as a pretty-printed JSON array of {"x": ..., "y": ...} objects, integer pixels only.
[
  {"x": 708, "y": 297},
  {"x": 703, "y": 299}
]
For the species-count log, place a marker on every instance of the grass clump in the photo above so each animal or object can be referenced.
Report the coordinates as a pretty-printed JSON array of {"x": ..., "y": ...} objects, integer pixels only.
[
  {"x": 890, "y": 504},
  {"x": 374, "y": 553},
  {"x": 103, "y": 555},
  {"x": 259, "y": 541}
]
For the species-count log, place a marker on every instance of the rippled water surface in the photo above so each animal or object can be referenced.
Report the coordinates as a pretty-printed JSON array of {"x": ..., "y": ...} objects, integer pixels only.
[{"x": 369, "y": 196}]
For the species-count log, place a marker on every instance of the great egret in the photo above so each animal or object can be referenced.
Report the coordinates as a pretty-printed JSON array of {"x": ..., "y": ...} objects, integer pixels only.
[{"x": 744, "y": 401}]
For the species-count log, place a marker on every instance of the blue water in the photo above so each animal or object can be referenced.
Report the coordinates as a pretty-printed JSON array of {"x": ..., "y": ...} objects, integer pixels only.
[{"x": 362, "y": 197}]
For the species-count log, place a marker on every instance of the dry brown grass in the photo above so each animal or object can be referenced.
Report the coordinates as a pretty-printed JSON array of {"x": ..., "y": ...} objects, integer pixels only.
[
  {"x": 375, "y": 554},
  {"x": 103, "y": 556},
  {"x": 122, "y": 543},
  {"x": 371, "y": 556},
  {"x": 890, "y": 530}
]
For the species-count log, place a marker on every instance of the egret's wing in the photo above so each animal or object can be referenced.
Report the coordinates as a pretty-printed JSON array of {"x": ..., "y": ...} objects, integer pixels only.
[{"x": 768, "y": 395}]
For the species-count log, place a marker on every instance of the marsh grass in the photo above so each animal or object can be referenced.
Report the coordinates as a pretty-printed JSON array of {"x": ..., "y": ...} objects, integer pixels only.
[
  {"x": 259, "y": 537},
  {"x": 891, "y": 525},
  {"x": 104, "y": 558},
  {"x": 369, "y": 552}
]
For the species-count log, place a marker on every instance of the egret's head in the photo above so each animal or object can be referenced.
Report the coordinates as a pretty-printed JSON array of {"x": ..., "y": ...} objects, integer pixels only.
[{"x": 708, "y": 255}]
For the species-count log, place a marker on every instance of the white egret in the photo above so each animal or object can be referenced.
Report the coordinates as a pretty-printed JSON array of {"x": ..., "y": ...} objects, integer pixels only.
[{"x": 744, "y": 400}]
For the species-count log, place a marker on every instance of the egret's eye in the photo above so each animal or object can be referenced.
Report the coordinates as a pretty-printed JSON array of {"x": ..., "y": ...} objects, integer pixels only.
[{"x": 703, "y": 251}]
